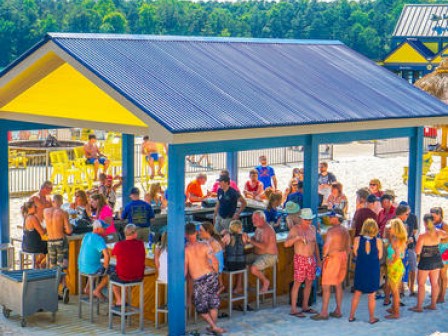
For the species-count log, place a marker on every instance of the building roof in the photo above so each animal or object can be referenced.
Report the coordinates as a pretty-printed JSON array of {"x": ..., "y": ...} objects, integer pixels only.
[
  {"x": 421, "y": 48},
  {"x": 192, "y": 85},
  {"x": 422, "y": 21}
]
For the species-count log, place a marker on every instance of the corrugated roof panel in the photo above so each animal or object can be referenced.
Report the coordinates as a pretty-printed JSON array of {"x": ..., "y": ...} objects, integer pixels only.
[
  {"x": 416, "y": 21},
  {"x": 200, "y": 84}
]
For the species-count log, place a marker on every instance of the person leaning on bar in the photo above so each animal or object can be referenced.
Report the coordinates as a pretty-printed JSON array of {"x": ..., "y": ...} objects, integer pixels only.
[{"x": 139, "y": 213}]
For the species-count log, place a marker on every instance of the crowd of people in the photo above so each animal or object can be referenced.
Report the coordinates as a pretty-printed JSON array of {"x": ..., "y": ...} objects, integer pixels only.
[{"x": 384, "y": 238}]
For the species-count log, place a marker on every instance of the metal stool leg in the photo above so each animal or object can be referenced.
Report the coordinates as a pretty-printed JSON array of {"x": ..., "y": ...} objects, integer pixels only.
[
  {"x": 156, "y": 322},
  {"x": 111, "y": 298},
  {"x": 141, "y": 306},
  {"x": 258, "y": 294},
  {"x": 91, "y": 298},
  {"x": 123, "y": 309},
  {"x": 246, "y": 299},
  {"x": 274, "y": 283},
  {"x": 230, "y": 293},
  {"x": 79, "y": 295}
]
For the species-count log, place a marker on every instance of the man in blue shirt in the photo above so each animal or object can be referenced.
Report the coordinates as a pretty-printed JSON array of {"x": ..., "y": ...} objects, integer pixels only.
[
  {"x": 297, "y": 195},
  {"x": 93, "y": 248},
  {"x": 139, "y": 213},
  {"x": 225, "y": 209},
  {"x": 266, "y": 174}
]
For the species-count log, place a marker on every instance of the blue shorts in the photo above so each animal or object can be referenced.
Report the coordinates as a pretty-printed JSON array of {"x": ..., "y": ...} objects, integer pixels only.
[
  {"x": 101, "y": 160},
  {"x": 154, "y": 156}
]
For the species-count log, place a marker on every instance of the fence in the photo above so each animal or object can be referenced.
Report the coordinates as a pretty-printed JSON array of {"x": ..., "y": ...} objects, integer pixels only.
[
  {"x": 24, "y": 181},
  {"x": 396, "y": 146}
]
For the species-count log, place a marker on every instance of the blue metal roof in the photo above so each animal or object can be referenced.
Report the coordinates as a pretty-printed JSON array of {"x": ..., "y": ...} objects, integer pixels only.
[{"x": 190, "y": 84}]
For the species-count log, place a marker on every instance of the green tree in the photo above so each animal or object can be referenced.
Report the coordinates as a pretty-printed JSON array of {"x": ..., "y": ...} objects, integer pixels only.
[{"x": 114, "y": 22}]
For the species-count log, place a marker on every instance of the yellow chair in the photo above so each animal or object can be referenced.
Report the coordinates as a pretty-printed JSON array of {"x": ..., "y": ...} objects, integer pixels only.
[
  {"x": 79, "y": 161},
  {"x": 17, "y": 158},
  {"x": 439, "y": 184},
  {"x": 427, "y": 162},
  {"x": 113, "y": 154}
]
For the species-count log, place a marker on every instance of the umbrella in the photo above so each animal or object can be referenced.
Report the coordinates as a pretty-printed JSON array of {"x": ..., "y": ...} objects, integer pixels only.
[{"x": 436, "y": 83}]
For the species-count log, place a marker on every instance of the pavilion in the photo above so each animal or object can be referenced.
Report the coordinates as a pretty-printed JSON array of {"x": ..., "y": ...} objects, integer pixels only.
[{"x": 205, "y": 95}]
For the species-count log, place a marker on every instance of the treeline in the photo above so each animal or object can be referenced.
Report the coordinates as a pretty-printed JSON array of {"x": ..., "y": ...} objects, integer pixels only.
[{"x": 364, "y": 25}]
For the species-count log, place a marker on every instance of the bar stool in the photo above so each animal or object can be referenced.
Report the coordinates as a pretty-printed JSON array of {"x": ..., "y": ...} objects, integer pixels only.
[
  {"x": 27, "y": 259},
  {"x": 92, "y": 279},
  {"x": 9, "y": 248},
  {"x": 229, "y": 296},
  {"x": 126, "y": 310},
  {"x": 272, "y": 291}
]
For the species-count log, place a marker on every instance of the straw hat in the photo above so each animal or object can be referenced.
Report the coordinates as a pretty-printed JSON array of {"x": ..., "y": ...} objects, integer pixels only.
[
  {"x": 292, "y": 207},
  {"x": 436, "y": 83}
]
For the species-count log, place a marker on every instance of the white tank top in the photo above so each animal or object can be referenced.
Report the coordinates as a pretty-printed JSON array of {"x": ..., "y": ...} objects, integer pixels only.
[{"x": 163, "y": 270}]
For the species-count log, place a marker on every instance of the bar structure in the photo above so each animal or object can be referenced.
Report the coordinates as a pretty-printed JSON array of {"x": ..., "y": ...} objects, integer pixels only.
[{"x": 184, "y": 92}]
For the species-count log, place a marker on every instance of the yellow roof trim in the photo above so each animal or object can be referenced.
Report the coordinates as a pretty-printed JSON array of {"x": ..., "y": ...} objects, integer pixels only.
[
  {"x": 405, "y": 53},
  {"x": 65, "y": 93}
]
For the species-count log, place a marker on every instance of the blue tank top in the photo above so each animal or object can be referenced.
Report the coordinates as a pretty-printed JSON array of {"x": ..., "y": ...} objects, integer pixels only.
[{"x": 220, "y": 256}]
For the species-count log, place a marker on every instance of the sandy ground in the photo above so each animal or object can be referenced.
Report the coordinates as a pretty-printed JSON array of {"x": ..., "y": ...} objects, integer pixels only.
[{"x": 354, "y": 165}]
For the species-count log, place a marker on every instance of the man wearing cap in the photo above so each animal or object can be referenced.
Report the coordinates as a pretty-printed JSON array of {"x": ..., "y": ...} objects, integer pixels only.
[
  {"x": 293, "y": 217},
  {"x": 217, "y": 184},
  {"x": 226, "y": 207},
  {"x": 365, "y": 212},
  {"x": 130, "y": 255},
  {"x": 265, "y": 253},
  {"x": 386, "y": 213},
  {"x": 93, "y": 248},
  {"x": 306, "y": 258},
  {"x": 335, "y": 255},
  {"x": 194, "y": 191},
  {"x": 139, "y": 213}
]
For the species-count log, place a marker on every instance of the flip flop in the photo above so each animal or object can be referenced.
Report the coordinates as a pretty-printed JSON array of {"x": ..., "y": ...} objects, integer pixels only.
[
  {"x": 352, "y": 319},
  {"x": 374, "y": 321},
  {"x": 223, "y": 315},
  {"x": 402, "y": 304},
  {"x": 319, "y": 318},
  {"x": 391, "y": 317},
  {"x": 309, "y": 311},
  {"x": 415, "y": 310},
  {"x": 298, "y": 314},
  {"x": 429, "y": 308},
  {"x": 335, "y": 315},
  {"x": 387, "y": 303}
]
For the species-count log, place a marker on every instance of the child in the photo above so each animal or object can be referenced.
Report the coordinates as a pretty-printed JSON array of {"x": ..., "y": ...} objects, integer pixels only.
[
  {"x": 395, "y": 267},
  {"x": 235, "y": 258},
  {"x": 272, "y": 215},
  {"x": 208, "y": 234}
]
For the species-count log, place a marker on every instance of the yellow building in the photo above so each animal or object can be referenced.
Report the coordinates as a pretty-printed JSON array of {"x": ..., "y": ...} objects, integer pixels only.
[{"x": 419, "y": 41}]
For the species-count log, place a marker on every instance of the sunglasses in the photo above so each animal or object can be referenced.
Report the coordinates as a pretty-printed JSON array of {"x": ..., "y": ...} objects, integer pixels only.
[{"x": 373, "y": 184}]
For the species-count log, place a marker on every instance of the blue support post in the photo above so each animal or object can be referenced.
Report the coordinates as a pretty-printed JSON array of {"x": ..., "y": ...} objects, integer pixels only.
[
  {"x": 176, "y": 242},
  {"x": 232, "y": 165},
  {"x": 127, "y": 154},
  {"x": 415, "y": 170},
  {"x": 311, "y": 162},
  {"x": 4, "y": 191}
]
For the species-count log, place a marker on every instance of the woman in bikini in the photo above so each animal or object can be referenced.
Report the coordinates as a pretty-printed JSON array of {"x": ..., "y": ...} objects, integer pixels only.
[{"x": 430, "y": 263}]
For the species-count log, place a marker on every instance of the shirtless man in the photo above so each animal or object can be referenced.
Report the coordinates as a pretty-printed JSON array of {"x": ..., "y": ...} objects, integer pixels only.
[
  {"x": 94, "y": 156},
  {"x": 58, "y": 227},
  {"x": 306, "y": 257},
  {"x": 265, "y": 253},
  {"x": 151, "y": 153},
  {"x": 42, "y": 199},
  {"x": 202, "y": 266},
  {"x": 335, "y": 253}
]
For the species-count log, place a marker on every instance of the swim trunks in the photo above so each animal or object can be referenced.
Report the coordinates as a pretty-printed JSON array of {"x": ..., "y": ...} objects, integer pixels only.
[
  {"x": 101, "y": 160},
  {"x": 304, "y": 268},
  {"x": 334, "y": 268},
  {"x": 205, "y": 293},
  {"x": 261, "y": 261},
  {"x": 153, "y": 155},
  {"x": 57, "y": 252}
]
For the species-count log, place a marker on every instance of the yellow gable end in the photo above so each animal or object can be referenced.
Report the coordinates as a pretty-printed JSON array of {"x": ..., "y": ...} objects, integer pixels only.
[{"x": 405, "y": 54}]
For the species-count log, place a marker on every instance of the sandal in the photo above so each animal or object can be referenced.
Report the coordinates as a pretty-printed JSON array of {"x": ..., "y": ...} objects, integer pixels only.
[
  {"x": 375, "y": 320},
  {"x": 392, "y": 317},
  {"x": 428, "y": 307},
  {"x": 352, "y": 319},
  {"x": 335, "y": 315},
  {"x": 298, "y": 314},
  {"x": 319, "y": 317},
  {"x": 309, "y": 311},
  {"x": 416, "y": 310}
]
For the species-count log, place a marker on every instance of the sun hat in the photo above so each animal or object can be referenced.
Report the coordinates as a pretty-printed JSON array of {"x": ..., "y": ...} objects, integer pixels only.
[
  {"x": 292, "y": 207},
  {"x": 307, "y": 213}
]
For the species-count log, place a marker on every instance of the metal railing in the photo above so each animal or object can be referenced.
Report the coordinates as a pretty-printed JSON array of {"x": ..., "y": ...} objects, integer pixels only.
[
  {"x": 399, "y": 145},
  {"x": 24, "y": 181}
]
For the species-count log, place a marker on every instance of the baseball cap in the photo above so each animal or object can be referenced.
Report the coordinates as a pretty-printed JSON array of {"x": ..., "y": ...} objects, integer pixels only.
[
  {"x": 224, "y": 178},
  {"x": 371, "y": 198},
  {"x": 135, "y": 191}
]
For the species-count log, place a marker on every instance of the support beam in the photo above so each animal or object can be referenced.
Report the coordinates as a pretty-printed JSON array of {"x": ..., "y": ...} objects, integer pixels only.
[
  {"x": 4, "y": 191},
  {"x": 128, "y": 159},
  {"x": 232, "y": 165},
  {"x": 415, "y": 170},
  {"x": 311, "y": 162},
  {"x": 176, "y": 242}
]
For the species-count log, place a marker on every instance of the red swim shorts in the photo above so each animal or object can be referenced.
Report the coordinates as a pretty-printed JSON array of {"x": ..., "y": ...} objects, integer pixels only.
[{"x": 304, "y": 268}]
